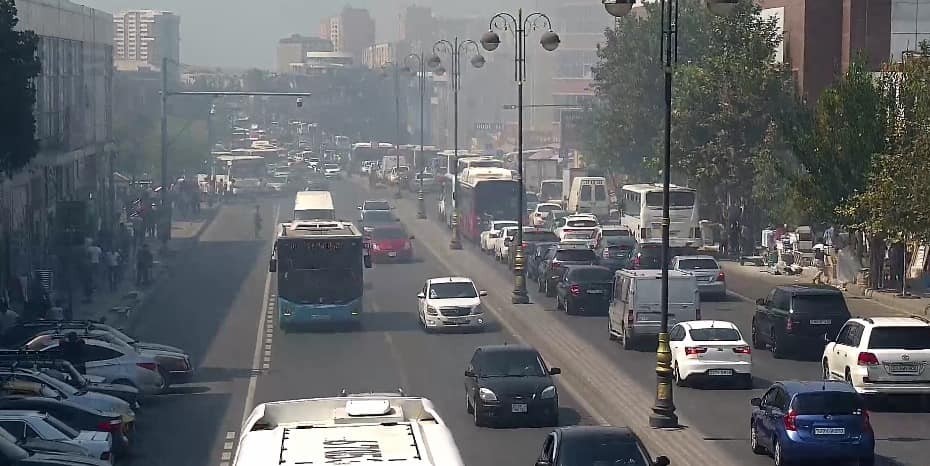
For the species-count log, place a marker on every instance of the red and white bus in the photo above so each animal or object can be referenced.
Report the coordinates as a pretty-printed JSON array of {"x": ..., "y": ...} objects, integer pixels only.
[{"x": 486, "y": 194}]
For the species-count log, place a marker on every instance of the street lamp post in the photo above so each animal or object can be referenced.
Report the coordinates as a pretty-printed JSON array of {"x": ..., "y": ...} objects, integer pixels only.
[
  {"x": 663, "y": 412},
  {"x": 455, "y": 49},
  {"x": 398, "y": 194},
  {"x": 521, "y": 27},
  {"x": 420, "y": 62}
]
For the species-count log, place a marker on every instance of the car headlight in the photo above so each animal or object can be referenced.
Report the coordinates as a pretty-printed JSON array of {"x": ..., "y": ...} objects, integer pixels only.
[
  {"x": 431, "y": 310},
  {"x": 486, "y": 395},
  {"x": 548, "y": 393}
]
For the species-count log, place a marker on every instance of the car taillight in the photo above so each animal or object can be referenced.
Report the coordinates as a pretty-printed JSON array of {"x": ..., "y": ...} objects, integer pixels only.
[
  {"x": 148, "y": 365},
  {"x": 112, "y": 426},
  {"x": 867, "y": 359},
  {"x": 556, "y": 265},
  {"x": 374, "y": 247},
  {"x": 721, "y": 277},
  {"x": 791, "y": 419},
  {"x": 742, "y": 350},
  {"x": 694, "y": 350},
  {"x": 789, "y": 324},
  {"x": 575, "y": 290}
]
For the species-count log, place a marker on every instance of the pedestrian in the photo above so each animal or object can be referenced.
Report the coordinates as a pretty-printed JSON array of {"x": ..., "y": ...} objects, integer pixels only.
[
  {"x": 112, "y": 264},
  {"x": 72, "y": 350},
  {"x": 821, "y": 264},
  {"x": 144, "y": 261},
  {"x": 94, "y": 256},
  {"x": 57, "y": 312}
]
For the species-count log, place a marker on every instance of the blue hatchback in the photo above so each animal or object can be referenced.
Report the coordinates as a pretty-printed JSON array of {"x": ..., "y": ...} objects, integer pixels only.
[{"x": 818, "y": 420}]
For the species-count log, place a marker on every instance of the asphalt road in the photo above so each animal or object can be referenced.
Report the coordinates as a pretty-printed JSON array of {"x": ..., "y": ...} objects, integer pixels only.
[{"x": 721, "y": 412}]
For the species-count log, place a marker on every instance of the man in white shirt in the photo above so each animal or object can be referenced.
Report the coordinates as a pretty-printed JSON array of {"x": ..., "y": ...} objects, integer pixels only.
[
  {"x": 94, "y": 254},
  {"x": 112, "y": 263}
]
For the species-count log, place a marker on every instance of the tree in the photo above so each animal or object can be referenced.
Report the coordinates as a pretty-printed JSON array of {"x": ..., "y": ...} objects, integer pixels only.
[
  {"x": 19, "y": 66},
  {"x": 835, "y": 143}
]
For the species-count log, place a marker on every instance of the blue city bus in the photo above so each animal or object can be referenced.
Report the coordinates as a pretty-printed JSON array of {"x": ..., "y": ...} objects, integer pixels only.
[{"x": 319, "y": 267}]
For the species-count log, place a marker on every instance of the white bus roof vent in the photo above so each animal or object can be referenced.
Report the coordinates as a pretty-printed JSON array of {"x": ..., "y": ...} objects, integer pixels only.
[
  {"x": 317, "y": 226},
  {"x": 368, "y": 407}
]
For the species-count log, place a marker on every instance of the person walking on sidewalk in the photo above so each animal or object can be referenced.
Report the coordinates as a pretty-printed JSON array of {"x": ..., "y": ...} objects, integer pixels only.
[
  {"x": 72, "y": 350},
  {"x": 112, "y": 263},
  {"x": 144, "y": 261},
  {"x": 821, "y": 264},
  {"x": 94, "y": 256}
]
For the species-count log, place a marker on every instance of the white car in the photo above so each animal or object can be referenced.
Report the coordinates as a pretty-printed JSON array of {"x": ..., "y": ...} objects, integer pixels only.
[
  {"x": 709, "y": 349},
  {"x": 541, "y": 213},
  {"x": 501, "y": 243},
  {"x": 710, "y": 277},
  {"x": 881, "y": 355},
  {"x": 331, "y": 170},
  {"x": 450, "y": 302},
  {"x": 586, "y": 235},
  {"x": 32, "y": 425},
  {"x": 579, "y": 222},
  {"x": 486, "y": 237},
  {"x": 117, "y": 364}
]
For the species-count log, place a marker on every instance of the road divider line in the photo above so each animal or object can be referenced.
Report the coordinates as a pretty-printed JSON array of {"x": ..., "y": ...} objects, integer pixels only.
[
  {"x": 228, "y": 445},
  {"x": 395, "y": 354}
]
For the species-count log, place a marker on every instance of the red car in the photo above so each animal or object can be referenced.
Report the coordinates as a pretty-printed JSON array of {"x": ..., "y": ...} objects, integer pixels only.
[{"x": 390, "y": 244}]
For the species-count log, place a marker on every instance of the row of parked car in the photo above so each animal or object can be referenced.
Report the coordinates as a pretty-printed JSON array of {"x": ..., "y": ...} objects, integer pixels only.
[{"x": 70, "y": 391}]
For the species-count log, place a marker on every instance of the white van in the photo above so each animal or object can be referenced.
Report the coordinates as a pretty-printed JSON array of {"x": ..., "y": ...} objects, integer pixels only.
[
  {"x": 635, "y": 308},
  {"x": 588, "y": 195},
  {"x": 314, "y": 205}
]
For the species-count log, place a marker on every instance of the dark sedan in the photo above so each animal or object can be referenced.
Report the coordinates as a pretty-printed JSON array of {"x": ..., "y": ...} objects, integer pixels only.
[
  {"x": 594, "y": 445},
  {"x": 536, "y": 253},
  {"x": 584, "y": 288},
  {"x": 74, "y": 415},
  {"x": 511, "y": 382},
  {"x": 374, "y": 218},
  {"x": 616, "y": 253}
]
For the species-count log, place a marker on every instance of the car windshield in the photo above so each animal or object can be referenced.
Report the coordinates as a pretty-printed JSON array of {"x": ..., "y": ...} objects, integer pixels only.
[
  {"x": 905, "y": 338},
  {"x": 376, "y": 205},
  {"x": 331, "y": 166},
  {"x": 279, "y": 179},
  {"x": 827, "y": 403},
  {"x": 698, "y": 264},
  {"x": 61, "y": 426},
  {"x": 715, "y": 334},
  {"x": 615, "y": 232},
  {"x": 602, "y": 450},
  {"x": 537, "y": 236},
  {"x": 548, "y": 207},
  {"x": 452, "y": 290},
  {"x": 388, "y": 233},
  {"x": 509, "y": 364},
  {"x": 502, "y": 225},
  {"x": 586, "y": 275},
  {"x": 373, "y": 216},
  {"x": 575, "y": 255},
  {"x": 832, "y": 303}
]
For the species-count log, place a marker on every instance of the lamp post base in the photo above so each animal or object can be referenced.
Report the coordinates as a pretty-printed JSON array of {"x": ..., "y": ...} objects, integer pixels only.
[
  {"x": 421, "y": 205},
  {"x": 455, "y": 242},
  {"x": 519, "y": 278},
  {"x": 663, "y": 412}
]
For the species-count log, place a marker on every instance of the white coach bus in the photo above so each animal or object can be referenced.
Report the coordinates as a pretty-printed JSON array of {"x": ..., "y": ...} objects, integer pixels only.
[{"x": 641, "y": 212}]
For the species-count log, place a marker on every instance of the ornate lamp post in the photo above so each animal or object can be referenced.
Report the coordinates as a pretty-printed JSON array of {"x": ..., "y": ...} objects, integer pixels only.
[
  {"x": 521, "y": 27},
  {"x": 420, "y": 62},
  {"x": 398, "y": 194},
  {"x": 663, "y": 412},
  {"x": 455, "y": 49}
]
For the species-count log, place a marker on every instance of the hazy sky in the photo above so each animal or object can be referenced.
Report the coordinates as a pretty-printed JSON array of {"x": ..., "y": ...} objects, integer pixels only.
[{"x": 244, "y": 33}]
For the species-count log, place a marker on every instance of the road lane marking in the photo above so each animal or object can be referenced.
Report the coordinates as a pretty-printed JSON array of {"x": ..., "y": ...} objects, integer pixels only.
[
  {"x": 395, "y": 354},
  {"x": 257, "y": 357},
  {"x": 228, "y": 445}
]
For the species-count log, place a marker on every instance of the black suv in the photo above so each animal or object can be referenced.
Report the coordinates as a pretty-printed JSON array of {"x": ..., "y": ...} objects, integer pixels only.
[
  {"x": 550, "y": 268},
  {"x": 798, "y": 317}
]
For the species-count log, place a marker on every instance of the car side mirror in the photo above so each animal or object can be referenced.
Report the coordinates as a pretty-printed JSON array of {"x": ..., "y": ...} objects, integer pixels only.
[
  {"x": 761, "y": 302},
  {"x": 662, "y": 461},
  {"x": 273, "y": 265},
  {"x": 359, "y": 207},
  {"x": 469, "y": 373},
  {"x": 421, "y": 295},
  {"x": 366, "y": 261},
  {"x": 757, "y": 402},
  {"x": 554, "y": 371},
  {"x": 482, "y": 293}
]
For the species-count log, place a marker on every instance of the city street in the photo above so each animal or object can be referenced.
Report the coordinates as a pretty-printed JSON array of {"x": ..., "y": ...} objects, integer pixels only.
[{"x": 216, "y": 306}]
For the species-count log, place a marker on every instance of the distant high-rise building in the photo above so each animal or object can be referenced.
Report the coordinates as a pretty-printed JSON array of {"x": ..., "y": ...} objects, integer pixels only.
[
  {"x": 294, "y": 49},
  {"x": 352, "y": 31},
  {"x": 418, "y": 27},
  {"x": 146, "y": 36}
]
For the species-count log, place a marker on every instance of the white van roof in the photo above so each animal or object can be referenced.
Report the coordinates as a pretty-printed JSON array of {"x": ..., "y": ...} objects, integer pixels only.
[
  {"x": 350, "y": 430},
  {"x": 313, "y": 200},
  {"x": 652, "y": 273}
]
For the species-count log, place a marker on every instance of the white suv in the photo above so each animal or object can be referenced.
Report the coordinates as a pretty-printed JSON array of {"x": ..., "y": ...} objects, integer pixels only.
[
  {"x": 881, "y": 355},
  {"x": 450, "y": 302},
  {"x": 489, "y": 236}
]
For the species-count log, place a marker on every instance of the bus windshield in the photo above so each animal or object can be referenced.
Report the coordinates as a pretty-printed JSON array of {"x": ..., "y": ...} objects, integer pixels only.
[
  {"x": 319, "y": 271},
  {"x": 675, "y": 199},
  {"x": 497, "y": 199},
  {"x": 248, "y": 169}
]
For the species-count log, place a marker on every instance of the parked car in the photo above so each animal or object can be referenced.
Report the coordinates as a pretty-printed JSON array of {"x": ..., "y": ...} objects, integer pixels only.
[
  {"x": 815, "y": 420},
  {"x": 117, "y": 365},
  {"x": 510, "y": 382},
  {"x": 710, "y": 277},
  {"x": 584, "y": 288},
  {"x": 76, "y": 416},
  {"x": 881, "y": 355},
  {"x": 62, "y": 370},
  {"x": 34, "y": 383},
  {"x": 596, "y": 445},
  {"x": 798, "y": 318},
  {"x": 709, "y": 350},
  {"x": 45, "y": 454},
  {"x": 29, "y": 425}
]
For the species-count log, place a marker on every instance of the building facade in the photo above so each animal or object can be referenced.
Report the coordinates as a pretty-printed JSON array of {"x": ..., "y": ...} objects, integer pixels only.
[
  {"x": 147, "y": 36},
  {"x": 68, "y": 178},
  {"x": 351, "y": 31},
  {"x": 910, "y": 25},
  {"x": 294, "y": 49}
]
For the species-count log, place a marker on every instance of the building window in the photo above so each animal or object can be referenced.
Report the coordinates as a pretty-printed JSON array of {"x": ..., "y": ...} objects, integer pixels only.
[{"x": 910, "y": 25}]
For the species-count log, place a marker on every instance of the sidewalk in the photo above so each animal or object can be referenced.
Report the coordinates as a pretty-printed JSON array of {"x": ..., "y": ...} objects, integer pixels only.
[
  {"x": 116, "y": 307},
  {"x": 749, "y": 282}
]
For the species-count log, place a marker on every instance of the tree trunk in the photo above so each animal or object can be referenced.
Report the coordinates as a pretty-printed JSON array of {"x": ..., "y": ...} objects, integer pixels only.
[{"x": 876, "y": 261}]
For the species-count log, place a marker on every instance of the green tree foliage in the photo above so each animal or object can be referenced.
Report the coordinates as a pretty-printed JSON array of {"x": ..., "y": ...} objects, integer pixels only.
[
  {"x": 19, "y": 65},
  {"x": 836, "y": 141},
  {"x": 895, "y": 199}
]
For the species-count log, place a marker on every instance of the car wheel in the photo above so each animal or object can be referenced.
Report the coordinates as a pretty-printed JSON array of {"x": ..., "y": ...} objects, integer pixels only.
[
  {"x": 626, "y": 340},
  {"x": 677, "y": 376},
  {"x": 777, "y": 351},
  {"x": 826, "y": 370},
  {"x": 777, "y": 454},
  {"x": 847, "y": 376},
  {"x": 757, "y": 447},
  {"x": 549, "y": 291},
  {"x": 756, "y": 342},
  {"x": 478, "y": 418},
  {"x": 165, "y": 377},
  {"x": 539, "y": 284},
  {"x": 610, "y": 331},
  {"x": 569, "y": 309},
  {"x": 163, "y": 387},
  {"x": 468, "y": 407}
]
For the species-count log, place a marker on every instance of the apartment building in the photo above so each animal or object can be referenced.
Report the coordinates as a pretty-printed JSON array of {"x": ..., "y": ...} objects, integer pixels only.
[
  {"x": 351, "y": 31},
  {"x": 147, "y": 36}
]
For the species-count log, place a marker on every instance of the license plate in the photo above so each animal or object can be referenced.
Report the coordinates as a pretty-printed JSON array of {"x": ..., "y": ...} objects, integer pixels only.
[
  {"x": 830, "y": 431},
  {"x": 720, "y": 372},
  {"x": 321, "y": 317},
  {"x": 518, "y": 408},
  {"x": 821, "y": 322},
  {"x": 903, "y": 368},
  {"x": 595, "y": 291},
  {"x": 392, "y": 254},
  {"x": 456, "y": 321}
]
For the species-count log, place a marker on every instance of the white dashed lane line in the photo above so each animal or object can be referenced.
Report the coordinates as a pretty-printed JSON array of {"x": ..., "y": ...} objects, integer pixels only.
[
  {"x": 269, "y": 332},
  {"x": 228, "y": 444}
]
